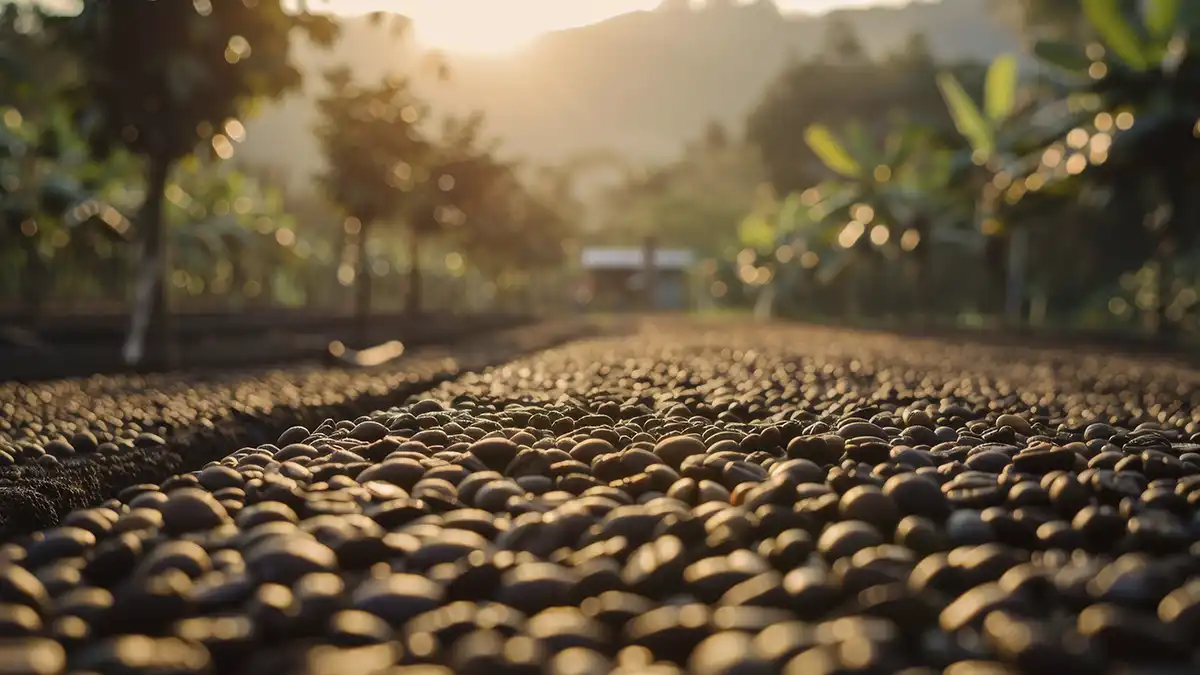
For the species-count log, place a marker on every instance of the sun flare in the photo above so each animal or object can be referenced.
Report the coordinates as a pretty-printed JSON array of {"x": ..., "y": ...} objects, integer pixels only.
[
  {"x": 501, "y": 27},
  {"x": 487, "y": 32},
  {"x": 492, "y": 27}
]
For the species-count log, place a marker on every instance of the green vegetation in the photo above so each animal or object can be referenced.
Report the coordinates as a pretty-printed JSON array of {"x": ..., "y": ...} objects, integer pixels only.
[
  {"x": 869, "y": 181},
  {"x": 120, "y": 189},
  {"x": 903, "y": 189},
  {"x": 156, "y": 79}
]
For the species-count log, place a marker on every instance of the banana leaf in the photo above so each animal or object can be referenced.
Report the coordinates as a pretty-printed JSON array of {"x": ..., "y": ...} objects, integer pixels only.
[
  {"x": 832, "y": 152},
  {"x": 1117, "y": 32},
  {"x": 1066, "y": 57}
]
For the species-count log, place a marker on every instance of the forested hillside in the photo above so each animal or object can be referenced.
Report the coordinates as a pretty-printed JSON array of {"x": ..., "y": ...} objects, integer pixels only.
[{"x": 639, "y": 84}]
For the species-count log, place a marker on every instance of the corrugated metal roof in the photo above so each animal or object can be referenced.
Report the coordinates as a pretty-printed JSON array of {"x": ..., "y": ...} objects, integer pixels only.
[{"x": 635, "y": 258}]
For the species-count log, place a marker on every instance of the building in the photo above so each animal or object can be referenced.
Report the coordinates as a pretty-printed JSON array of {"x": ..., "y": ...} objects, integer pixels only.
[{"x": 616, "y": 278}]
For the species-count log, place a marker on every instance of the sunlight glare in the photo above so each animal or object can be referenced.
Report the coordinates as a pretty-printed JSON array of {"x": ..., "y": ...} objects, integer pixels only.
[
  {"x": 486, "y": 27},
  {"x": 503, "y": 27}
]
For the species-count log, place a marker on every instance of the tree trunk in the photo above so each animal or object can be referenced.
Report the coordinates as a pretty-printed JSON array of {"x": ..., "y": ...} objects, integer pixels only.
[
  {"x": 527, "y": 296},
  {"x": 363, "y": 283},
  {"x": 764, "y": 304},
  {"x": 1178, "y": 178},
  {"x": 882, "y": 292},
  {"x": 922, "y": 273},
  {"x": 412, "y": 305},
  {"x": 1163, "y": 278},
  {"x": 852, "y": 287},
  {"x": 151, "y": 340},
  {"x": 1014, "y": 291},
  {"x": 33, "y": 291}
]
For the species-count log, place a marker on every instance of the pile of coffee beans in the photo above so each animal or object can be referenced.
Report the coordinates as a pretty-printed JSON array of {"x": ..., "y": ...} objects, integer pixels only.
[
  {"x": 69, "y": 443},
  {"x": 691, "y": 499}
]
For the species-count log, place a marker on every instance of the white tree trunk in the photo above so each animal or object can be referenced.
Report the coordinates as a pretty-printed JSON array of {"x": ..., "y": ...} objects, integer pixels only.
[{"x": 764, "y": 306}]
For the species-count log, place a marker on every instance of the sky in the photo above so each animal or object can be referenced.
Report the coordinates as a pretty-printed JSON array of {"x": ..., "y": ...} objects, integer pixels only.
[{"x": 504, "y": 26}]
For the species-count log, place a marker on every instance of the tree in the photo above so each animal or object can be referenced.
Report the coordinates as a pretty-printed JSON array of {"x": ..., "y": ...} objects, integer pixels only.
[
  {"x": 525, "y": 231},
  {"x": 894, "y": 195},
  {"x": 52, "y": 205},
  {"x": 694, "y": 202},
  {"x": 1143, "y": 80},
  {"x": 675, "y": 6},
  {"x": 52, "y": 202},
  {"x": 236, "y": 244},
  {"x": 764, "y": 8},
  {"x": 993, "y": 139},
  {"x": 715, "y": 136},
  {"x": 916, "y": 51},
  {"x": 376, "y": 158},
  {"x": 841, "y": 42},
  {"x": 459, "y": 174},
  {"x": 813, "y": 92},
  {"x": 161, "y": 77},
  {"x": 1046, "y": 19}
]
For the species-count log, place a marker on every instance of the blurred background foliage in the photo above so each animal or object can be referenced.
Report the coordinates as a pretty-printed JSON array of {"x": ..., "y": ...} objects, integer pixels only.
[
  {"x": 121, "y": 188},
  {"x": 1051, "y": 186}
]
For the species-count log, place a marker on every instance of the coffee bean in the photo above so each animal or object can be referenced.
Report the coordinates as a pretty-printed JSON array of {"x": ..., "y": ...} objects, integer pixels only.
[
  {"x": 285, "y": 559},
  {"x": 190, "y": 510},
  {"x": 131, "y": 653},
  {"x": 657, "y": 510},
  {"x": 369, "y": 430},
  {"x": 869, "y": 504},
  {"x": 32, "y": 656},
  {"x": 727, "y": 653},
  {"x": 495, "y": 453},
  {"x": 62, "y": 542},
  {"x": 396, "y": 598}
]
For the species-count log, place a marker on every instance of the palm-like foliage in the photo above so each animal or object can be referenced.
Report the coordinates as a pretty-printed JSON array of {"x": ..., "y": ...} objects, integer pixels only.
[
  {"x": 995, "y": 135},
  {"x": 157, "y": 79},
  {"x": 377, "y": 156},
  {"x": 56, "y": 204},
  {"x": 1136, "y": 106},
  {"x": 233, "y": 237},
  {"x": 889, "y": 201},
  {"x": 898, "y": 180},
  {"x": 53, "y": 205},
  {"x": 458, "y": 175}
]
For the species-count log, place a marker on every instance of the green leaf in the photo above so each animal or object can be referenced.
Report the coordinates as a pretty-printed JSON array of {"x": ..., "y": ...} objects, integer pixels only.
[
  {"x": 1161, "y": 18},
  {"x": 967, "y": 118},
  {"x": 789, "y": 214},
  {"x": 835, "y": 208},
  {"x": 1188, "y": 16},
  {"x": 756, "y": 232},
  {"x": 1062, "y": 55},
  {"x": 1000, "y": 93},
  {"x": 830, "y": 151},
  {"x": 900, "y": 146},
  {"x": 860, "y": 144},
  {"x": 1120, "y": 37}
]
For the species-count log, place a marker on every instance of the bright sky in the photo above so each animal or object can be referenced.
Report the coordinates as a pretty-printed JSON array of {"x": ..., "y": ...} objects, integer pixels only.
[{"x": 502, "y": 26}]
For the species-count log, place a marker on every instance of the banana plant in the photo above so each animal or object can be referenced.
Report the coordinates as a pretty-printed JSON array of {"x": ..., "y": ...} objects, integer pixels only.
[
  {"x": 812, "y": 238},
  {"x": 899, "y": 186},
  {"x": 771, "y": 226},
  {"x": 228, "y": 230},
  {"x": 993, "y": 136},
  {"x": 52, "y": 200},
  {"x": 1142, "y": 83},
  {"x": 867, "y": 174},
  {"x": 61, "y": 214}
]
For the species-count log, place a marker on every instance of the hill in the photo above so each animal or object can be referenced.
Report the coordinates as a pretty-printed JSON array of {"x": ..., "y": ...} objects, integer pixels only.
[{"x": 639, "y": 84}]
